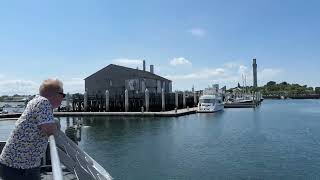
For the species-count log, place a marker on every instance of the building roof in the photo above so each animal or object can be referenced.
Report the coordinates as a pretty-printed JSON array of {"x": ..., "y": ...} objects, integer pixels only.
[{"x": 144, "y": 74}]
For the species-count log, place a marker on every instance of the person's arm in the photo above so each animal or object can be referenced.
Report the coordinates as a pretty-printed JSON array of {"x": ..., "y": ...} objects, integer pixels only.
[
  {"x": 44, "y": 117},
  {"x": 49, "y": 128}
]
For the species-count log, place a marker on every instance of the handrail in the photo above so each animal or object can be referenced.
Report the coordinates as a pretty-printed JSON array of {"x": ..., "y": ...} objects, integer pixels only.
[
  {"x": 79, "y": 162},
  {"x": 55, "y": 161}
]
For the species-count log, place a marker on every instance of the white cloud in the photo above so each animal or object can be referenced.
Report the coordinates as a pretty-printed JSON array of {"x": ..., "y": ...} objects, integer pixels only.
[
  {"x": 199, "y": 32},
  {"x": 22, "y": 87},
  {"x": 180, "y": 61},
  {"x": 127, "y": 62},
  {"x": 28, "y": 87},
  {"x": 200, "y": 75},
  {"x": 269, "y": 73},
  {"x": 230, "y": 74},
  {"x": 74, "y": 85},
  {"x": 231, "y": 65},
  {"x": 243, "y": 70}
]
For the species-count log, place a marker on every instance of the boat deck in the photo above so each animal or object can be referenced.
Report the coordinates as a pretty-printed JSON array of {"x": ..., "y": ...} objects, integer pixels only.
[{"x": 66, "y": 175}]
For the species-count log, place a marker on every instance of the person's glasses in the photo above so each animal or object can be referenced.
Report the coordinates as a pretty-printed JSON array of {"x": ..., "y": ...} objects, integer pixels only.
[{"x": 63, "y": 94}]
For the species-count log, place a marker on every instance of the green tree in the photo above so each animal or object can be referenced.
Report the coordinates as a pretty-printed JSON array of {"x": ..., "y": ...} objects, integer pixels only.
[
  {"x": 271, "y": 83},
  {"x": 284, "y": 83}
]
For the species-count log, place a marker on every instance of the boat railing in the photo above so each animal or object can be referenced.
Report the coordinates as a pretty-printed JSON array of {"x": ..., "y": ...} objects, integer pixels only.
[
  {"x": 77, "y": 161},
  {"x": 55, "y": 160}
]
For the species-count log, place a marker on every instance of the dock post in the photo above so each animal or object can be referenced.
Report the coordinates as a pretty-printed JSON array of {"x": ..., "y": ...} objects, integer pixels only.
[
  {"x": 68, "y": 122},
  {"x": 163, "y": 100},
  {"x": 126, "y": 101},
  {"x": 107, "y": 100},
  {"x": 184, "y": 99},
  {"x": 142, "y": 109},
  {"x": 68, "y": 102},
  {"x": 259, "y": 98},
  {"x": 194, "y": 99},
  {"x": 85, "y": 101},
  {"x": 147, "y": 99},
  {"x": 256, "y": 98},
  {"x": 73, "y": 105},
  {"x": 177, "y": 99}
]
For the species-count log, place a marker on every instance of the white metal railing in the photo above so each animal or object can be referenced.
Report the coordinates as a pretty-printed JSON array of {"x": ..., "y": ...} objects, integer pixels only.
[
  {"x": 55, "y": 160},
  {"x": 77, "y": 161}
]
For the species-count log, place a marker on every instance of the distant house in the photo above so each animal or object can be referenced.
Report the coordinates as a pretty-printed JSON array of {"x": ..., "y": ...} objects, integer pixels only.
[{"x": 117, "y": 78}]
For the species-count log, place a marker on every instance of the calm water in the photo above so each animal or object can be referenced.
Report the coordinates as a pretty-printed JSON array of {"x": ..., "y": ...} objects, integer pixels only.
[{"x": 279, "y": 140}]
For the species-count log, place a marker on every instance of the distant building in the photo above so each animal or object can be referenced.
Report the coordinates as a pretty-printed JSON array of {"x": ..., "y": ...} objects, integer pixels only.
[{"x": 117, "y": 78}]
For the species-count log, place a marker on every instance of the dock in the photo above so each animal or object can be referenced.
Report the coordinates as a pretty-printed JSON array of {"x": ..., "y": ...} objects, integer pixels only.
[{"x": 172, "y": 113}]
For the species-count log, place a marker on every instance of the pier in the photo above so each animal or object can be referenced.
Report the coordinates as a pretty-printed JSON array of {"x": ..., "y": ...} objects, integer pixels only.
[
  {"x": 172, "y": 113},
  {"x": 129, "y": 101}
]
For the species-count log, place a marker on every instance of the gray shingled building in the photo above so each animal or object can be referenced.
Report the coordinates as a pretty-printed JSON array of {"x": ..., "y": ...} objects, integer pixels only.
[{"x": 117, "y": 78}]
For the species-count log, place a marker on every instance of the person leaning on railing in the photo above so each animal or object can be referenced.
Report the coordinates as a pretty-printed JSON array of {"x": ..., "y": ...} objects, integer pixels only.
[{"x": 21, "y": 156}]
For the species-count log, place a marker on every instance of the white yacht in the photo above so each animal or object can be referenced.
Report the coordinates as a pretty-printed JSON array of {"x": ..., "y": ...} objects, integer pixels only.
[{"x": 210, "y": 103}]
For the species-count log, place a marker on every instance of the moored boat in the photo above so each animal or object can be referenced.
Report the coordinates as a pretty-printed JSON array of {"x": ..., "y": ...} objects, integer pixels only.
[{"x": 210, "y": 103}]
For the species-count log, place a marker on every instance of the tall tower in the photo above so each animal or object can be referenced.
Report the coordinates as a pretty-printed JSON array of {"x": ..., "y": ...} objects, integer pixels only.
[
  {"x": 254, "y": 66},
  {"x": 144, "y": 65}
]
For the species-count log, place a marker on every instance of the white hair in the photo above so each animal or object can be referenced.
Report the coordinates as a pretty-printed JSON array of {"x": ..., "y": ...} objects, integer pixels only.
[{"x": 50, "y": 87}]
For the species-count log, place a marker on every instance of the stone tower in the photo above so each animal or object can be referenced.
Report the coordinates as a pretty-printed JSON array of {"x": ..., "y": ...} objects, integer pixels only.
[{"x": 254, "y": 66}]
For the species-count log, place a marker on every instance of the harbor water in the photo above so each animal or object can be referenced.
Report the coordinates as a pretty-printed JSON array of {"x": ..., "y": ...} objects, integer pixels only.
[{"x": 278, "y": 140}]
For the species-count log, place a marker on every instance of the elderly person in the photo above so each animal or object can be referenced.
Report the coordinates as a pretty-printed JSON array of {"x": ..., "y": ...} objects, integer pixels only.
[{"x": 21, "y": 156}]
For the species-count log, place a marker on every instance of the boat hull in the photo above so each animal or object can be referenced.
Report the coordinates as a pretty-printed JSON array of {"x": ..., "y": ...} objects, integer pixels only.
[{"x": 216, "y": 108}]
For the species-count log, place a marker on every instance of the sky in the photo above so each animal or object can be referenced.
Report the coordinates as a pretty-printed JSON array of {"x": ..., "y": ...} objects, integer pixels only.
[{"x": 193, "y": 43}]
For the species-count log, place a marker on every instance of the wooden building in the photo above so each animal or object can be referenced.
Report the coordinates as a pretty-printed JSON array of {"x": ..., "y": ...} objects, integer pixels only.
[{"x": 116, "y": 79}]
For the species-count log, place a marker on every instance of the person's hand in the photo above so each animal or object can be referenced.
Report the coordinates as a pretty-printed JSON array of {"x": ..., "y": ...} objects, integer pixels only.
[{"x": 58, "y": 123}]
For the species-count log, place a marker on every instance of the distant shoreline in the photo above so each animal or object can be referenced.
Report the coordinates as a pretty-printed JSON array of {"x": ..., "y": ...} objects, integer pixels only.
[{"x": 293, "y": 97}]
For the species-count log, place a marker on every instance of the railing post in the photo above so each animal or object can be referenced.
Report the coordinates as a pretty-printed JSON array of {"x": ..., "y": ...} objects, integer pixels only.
[{"x": 55, "y": 160}]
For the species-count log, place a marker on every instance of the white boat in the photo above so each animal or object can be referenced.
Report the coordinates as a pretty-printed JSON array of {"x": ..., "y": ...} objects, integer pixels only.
[
  {"x": 6, "y": 106},
  {"x": 244, "y": 99},
  {"x": 210, "y": 103}
]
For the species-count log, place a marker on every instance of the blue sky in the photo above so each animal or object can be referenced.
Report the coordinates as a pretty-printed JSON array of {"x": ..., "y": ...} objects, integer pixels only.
[{"x": 190, "y": 42}]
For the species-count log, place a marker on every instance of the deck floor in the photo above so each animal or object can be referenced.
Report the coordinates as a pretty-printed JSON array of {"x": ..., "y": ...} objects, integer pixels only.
[{"x": 66, "y": 176}]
